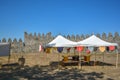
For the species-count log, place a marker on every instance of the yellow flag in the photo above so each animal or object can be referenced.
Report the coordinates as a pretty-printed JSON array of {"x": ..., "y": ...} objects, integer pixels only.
[
  {"x": 102, "y": 48},
  {"x": 48, "y": 50}
]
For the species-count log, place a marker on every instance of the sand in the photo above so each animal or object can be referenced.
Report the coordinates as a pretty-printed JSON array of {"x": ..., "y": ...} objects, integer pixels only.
[{"x": 40, "y": 66}]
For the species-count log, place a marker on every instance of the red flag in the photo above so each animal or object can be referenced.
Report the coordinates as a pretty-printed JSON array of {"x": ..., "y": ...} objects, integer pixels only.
[
  {"x": 111, "y": 48},
  {"x": 88, "y": 51},
  {"x": 80, "y": 48}
]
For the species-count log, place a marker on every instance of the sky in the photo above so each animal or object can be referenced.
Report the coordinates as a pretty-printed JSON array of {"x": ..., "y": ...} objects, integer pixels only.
[{"x": 58, "y": 16}]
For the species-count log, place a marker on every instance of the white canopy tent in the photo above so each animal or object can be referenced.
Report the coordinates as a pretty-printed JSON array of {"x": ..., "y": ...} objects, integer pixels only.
[
  {"x": 95, "y": 41},
  {"x": 4, "y": 49},
  {"x": 60, "y": 41}
]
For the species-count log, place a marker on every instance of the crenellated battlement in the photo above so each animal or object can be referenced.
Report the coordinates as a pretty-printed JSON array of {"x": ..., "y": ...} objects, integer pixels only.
[{"x": 32, "y": 41}]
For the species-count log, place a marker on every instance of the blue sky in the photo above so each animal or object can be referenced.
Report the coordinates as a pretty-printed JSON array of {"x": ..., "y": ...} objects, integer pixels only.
[{"x": 58, "y": 16}]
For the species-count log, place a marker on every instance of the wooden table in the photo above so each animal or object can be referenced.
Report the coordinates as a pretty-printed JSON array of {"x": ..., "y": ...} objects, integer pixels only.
[{"x": 74, "y": 60}]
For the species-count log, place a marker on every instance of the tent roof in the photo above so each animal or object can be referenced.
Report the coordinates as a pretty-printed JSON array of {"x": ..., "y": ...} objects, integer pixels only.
[
  {"x": 60, "y": 41},
  {"x": 4, "y": 44},
  {"x": 95, "y": 41},
  {"x": 4, "y": 49}
]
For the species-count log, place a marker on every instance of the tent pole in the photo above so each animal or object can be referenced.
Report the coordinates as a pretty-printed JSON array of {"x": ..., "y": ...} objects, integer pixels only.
[
  {"x": 9, "y": 59},
  {"x": 103, "y": 59},
  {"x": 58, "y": 60},
  {"x": 95, "y": 59},
  {"x": 79, "y": 61},
  {"x": 9, "y": 54},
  {"x": 74, "y": 51},
  {"x": 117, "y": 59}
]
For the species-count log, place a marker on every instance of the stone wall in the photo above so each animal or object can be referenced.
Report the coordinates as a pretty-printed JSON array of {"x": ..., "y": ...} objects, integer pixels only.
[{"x": 31, "y": 41}]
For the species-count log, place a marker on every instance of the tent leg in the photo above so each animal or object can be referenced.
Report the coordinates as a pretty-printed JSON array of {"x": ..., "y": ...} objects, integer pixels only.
[
  {"x": 80, "y": 63},
  {"x": 8, "y": 59},
  {"x": 9, "y": 54},
  {"x": 74, "y": 51},
  {"x": 58, "y": 61},
  {"x": 103, "y": 59},
  {"x": 95, "y": 60},
  {"x": 117, "y": 60}
]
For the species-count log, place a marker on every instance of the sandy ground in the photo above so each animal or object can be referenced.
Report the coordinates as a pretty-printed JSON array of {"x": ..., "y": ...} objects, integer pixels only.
[{"x": 40, "y": 66}]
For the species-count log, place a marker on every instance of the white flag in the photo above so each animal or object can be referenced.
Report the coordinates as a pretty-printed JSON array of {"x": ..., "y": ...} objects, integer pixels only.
[{"x": 40, "y": 48}]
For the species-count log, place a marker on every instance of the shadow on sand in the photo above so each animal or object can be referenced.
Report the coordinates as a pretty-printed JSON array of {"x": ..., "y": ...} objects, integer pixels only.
[
  {"x": 91, "y": 63},
  {"x": 49, "y": 73}
]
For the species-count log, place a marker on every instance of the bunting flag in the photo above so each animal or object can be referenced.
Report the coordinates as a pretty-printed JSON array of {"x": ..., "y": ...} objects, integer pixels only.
[
  {"x": 88, "y": 51},
  {"x": 107, "y": 49},
  {"x": 95, "y": 48},
  {"x": 48, "y": 50},
  {"x": 80, "y": 48},
  {"x": 40, "y": 48},
  {"x": 54, "y": 48},
  {"x": 68, "y": 50},
  {"x": 75, "y": 48},
  {"x": 60, "y": 49},
  {"x": 102, "y": 48},
  {"x": 91, "y": 48},
  {"x": 111, "y": 48}
]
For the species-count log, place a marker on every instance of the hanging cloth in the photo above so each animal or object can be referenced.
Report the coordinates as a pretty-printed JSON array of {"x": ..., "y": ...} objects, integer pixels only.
[
  {"x": 54, "y": 48},
  {"x": 88, "y": 51},
  {"x": 68, "y": 50},
  {"x": 95, "y": 48},
  {"x": 91, "y": 48},
  {"x": 80, "y": 48},
  {"x": 60, "y": 49},
  {"x": 75, "y": 48},
  {"x": 111, "y": 48},
  {"x": 48, "y": 50},
  {"x": 102, "y": 48},
  {"x": 40, "y": 48},
  {"x": 107, "y": 49}
]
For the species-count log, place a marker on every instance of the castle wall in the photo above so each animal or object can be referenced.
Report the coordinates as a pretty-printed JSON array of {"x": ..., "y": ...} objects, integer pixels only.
[{"x": 32, "y": 41}]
